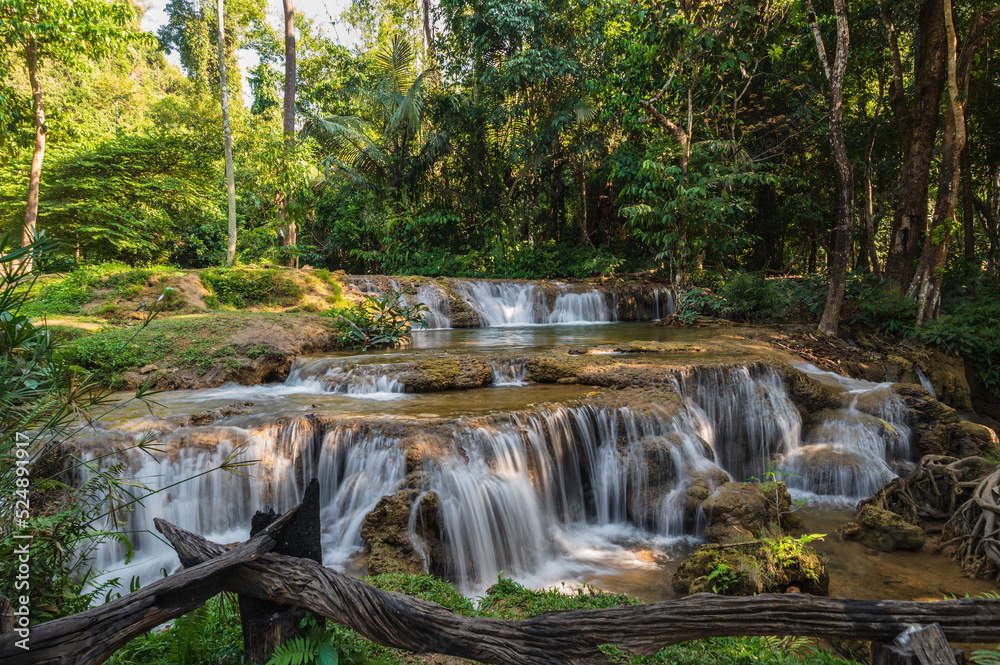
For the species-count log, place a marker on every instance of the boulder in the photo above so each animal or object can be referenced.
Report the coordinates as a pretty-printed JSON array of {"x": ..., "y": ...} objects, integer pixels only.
[
  {"x": 743, "y": 511},
  {"x": 887, "y": 532},
  {"x": 766, "y": 566},
  {"x": 389, "y": 547}
]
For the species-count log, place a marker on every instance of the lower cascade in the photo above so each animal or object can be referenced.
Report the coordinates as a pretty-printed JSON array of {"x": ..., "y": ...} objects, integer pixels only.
[{"x": 543, "y": 494}]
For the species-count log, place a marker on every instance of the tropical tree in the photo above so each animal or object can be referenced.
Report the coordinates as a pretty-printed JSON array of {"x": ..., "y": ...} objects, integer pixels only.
[
  {"x": 67, "y": 31},
  {"x": 389, "y": 146}
]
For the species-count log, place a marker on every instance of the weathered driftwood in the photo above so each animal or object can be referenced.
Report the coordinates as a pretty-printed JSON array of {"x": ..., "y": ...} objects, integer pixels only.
[
  {"x": 396, "y": 620},
  {"x": 925, "y": 646},
  {"x": 573, "y": 636},
  {"x": 93, "y": 636},
  {"x": 267, "y": 625}
]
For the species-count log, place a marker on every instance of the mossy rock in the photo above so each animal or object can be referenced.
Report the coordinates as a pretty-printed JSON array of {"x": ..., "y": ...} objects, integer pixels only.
[
  {"x": 887, "y": 532},
  {"x": 769, "y": 566},
  {"x": 551, "y": 367},
  {"x": 387, "y": 542},
  {"x": 742, "y": 511}
]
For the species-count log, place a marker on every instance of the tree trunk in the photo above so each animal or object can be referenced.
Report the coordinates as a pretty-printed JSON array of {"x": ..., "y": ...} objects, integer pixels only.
[
  {"x": 840, "y": 256},
  {"x": 989, "y": 221},
  {"x": 867, "y": 253},
  {"x": 267, "y": 625},
  {"x": 288, "y": 120},
  {"x": 926, "y": 285},
  {"x": 35, "y": 175},
  {"x": 918, "y": 128},
  {"x": 228, "y": 138},
  {"x": 968, "y": 211}
]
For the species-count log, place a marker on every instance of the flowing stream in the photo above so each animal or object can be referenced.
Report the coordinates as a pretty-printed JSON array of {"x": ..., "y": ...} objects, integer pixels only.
[{"x": 546, "y": 483}]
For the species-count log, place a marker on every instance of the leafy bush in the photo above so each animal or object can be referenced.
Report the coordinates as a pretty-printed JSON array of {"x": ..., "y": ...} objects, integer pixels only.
[
  {"x": 242, "y": 287},
  {"x": 696, "y": 302},
  {"x": 379, "y": 321},
  {"x": 750, "y": 297}
]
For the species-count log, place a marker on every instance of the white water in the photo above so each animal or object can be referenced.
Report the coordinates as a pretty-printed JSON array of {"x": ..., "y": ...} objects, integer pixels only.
[
  {"x": 926, "y": 383},
  {"x": 363, "y": 382},
  {"x": 849, "y": 454},
  {"x": 509, "y": 374},
  {"x": 550, "y": 494}
]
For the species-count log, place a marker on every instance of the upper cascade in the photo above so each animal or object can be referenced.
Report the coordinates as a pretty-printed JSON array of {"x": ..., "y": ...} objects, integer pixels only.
[{"x": 465, "y": 303}]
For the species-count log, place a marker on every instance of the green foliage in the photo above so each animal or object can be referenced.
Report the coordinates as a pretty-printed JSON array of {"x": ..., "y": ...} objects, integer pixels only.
[
  {"x": 722, "y": 578},
  {"x": 321, "y": 645},
  {"x": 697, "y": 302},
  {"x": 959, "y": 338},
  {"x": 425, "y": 587},
  {"x": 210, "y": 635},
  {"x": 683, "y": 215},
  {"x": 380, "y": 321},
  {"x": 749, "y": 297},
  {"x": 243, "y": 287},
  {"x": 130, "y": 198}
]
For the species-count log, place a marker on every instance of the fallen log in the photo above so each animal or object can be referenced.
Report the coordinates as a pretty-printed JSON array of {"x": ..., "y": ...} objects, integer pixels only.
[
  {"x": 93, "y": 636},
  {"x": 573, "y": 636},
  {"x": 395, "y": 620}
]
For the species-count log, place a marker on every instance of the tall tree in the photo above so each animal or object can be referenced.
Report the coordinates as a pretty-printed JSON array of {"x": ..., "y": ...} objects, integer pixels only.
[
  {"x": 288, "y": 119},
  {"x": 926, "y": 285},
  {"x": 66, "y": 31},
  {"x": 841, "y": 164},
  {"x": 228, "y": 138},
  {"x": 917, "y": 124}
]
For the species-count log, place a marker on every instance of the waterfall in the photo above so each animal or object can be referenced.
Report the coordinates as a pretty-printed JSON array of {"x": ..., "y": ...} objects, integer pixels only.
[
  {"x": 509, "y": 374},
  {"x": 330, "y": 376},
  {"x": 746, "y": 417},
  {"x": 850, "y": 452},
  {"x": 551, "y": 493},
  {"x": 665, "y": 304},
  {"x": 503, "y": 303},
  {"x": 926, "y": 383},
  {"x": 521, "y": 495},
  {"x": 356, "y": 467},
  {"x": 588, "y": 307}
]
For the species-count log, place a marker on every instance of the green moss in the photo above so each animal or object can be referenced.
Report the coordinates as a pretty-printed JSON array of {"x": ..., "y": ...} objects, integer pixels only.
[{"x": 441, "y": 372}]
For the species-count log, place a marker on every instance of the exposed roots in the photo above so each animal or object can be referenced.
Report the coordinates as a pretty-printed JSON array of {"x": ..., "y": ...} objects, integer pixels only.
[{"x": 967, "y": 493}]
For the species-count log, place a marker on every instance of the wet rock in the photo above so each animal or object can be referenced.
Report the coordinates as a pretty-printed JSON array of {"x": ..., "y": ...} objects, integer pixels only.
[
  {"x": 828, "y": 469},
  {"x": 387, "y": 542},
  {"x": 700, "y": 487},
  {"x": 742, "y": 511},
  {"x": 849, "y": 531},
  {"x": 887, "y": 532},
  {"x": 938, "y": 429},
  {"x": 947, "y": 375},
  {"x": 446, "y": 373},
  {"x": 808, "y": 394}
]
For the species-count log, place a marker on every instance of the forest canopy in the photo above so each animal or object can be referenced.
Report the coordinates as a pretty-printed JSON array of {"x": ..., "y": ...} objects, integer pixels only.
[{"x": 503, "y": 138}]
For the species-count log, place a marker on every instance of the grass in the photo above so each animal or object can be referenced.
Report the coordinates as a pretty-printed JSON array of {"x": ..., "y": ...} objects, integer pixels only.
[
  {"x": 211, "y": 636},
  {"x": 196, "y": 341}
]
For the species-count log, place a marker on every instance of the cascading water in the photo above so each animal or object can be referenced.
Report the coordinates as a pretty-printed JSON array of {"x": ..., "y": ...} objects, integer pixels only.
[
  {"x": 543, "y": 495},
  {"x": 588, "y": 307},
  {"x": 356, "y": 467},
  {"x": 509, "y": 374},
  {"x": 746, "y": 417},
  {"x": 503, "y": 303},
  {"x": 362, "y": 381},
  {"x": 665, "y": 304},
  {"x": 850, "y": 452},
  {"x": 926, "y": 383}
]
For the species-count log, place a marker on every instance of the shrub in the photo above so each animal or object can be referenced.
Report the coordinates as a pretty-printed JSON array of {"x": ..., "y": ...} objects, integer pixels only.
[
  {"x": 379, "y": 321},
  {"x": 242, "y": 287},
  {"x": 749, "y": 297}
]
